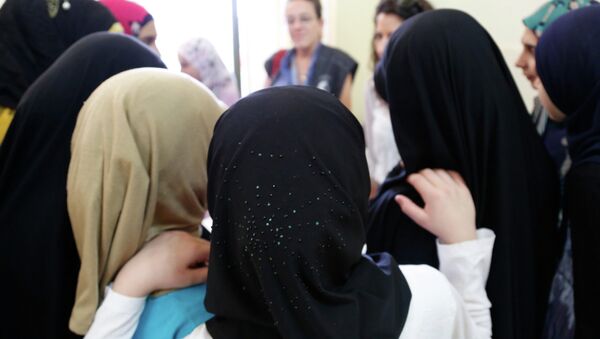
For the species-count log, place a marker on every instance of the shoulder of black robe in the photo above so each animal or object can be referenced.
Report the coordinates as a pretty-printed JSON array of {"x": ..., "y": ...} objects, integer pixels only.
[
  {"x": 568, "y": 53},
  {"x": 34, "y": 33},
  {"x": 454, "y": 105},
  {"x": 38, "y": 257},
  {"x": 289, "y": 208},
  {"x": 392, "y": 231}
]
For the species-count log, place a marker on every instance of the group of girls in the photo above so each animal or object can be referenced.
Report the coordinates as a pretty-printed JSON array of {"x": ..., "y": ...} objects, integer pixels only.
[{"x": 111, "y": 162}]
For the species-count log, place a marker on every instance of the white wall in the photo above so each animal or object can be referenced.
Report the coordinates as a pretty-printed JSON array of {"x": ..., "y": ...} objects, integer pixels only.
[{"x": 180, "y": 20}]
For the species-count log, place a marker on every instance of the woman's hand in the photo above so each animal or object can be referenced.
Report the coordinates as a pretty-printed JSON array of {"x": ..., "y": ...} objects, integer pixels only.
[
  {"x": 449, "y": 212},
  {"x": 174, "y": 259}
]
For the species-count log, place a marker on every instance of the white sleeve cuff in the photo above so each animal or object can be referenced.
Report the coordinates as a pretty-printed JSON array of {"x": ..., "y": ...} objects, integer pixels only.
[
  {"x": 122, "y": 303},
  {"x": 468, "y": 262}
]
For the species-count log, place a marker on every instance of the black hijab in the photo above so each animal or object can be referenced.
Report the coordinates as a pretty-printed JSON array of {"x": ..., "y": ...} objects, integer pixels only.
[
  {"x": 454, "y": 105},
  {"x": 34, "y": 33},
  {"x": 287, "y": 187},
  {"x": 568, "y": 62},
  {"x": 38, "y": 258}
]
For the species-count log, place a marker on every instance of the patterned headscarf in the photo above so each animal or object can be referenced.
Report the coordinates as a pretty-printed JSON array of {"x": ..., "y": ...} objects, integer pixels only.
[
  {"x": 131, "y": 15},
  {"x": 552, "y": 10},
  {"x": 203, "y": 56}
]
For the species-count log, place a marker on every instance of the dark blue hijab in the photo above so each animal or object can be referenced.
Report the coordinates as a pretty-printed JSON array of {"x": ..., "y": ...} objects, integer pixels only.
[{"x": 568, "y": 63}]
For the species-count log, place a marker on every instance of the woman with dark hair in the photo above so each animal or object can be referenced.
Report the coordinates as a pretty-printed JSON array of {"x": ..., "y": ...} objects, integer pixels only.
[
  {"x": 382, "y": 154},
  {"x": 310, "y": 62},
  {"x": 454, "y": 104}
]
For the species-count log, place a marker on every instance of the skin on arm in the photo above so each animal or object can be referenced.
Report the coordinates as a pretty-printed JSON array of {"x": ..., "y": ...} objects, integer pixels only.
[
  {"x": 174, "y": 259},
  {"x": 345, "y": 95},
  {"x": 449, "y": 211}
]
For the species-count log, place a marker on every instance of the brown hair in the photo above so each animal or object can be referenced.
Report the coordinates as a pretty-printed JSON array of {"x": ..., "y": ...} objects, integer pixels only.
[
  {"x": 404, "y": 9},
  {"x": 317, "y": 5}
]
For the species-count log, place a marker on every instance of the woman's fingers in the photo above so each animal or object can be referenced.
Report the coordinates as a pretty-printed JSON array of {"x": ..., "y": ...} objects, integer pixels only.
[
  {"x": 432, "y": 177},
  {"x": 416, "y": 213},
  {"x": 421, "y": 184}
]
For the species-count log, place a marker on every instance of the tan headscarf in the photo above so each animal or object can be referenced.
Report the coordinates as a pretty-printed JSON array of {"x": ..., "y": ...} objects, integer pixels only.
[{"x": 138, "y": 168}]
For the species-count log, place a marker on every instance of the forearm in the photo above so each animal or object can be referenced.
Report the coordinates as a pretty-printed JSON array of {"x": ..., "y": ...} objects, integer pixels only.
[
  {"x": 117, "y": 317},
  {"x": 467, "y": 265}
]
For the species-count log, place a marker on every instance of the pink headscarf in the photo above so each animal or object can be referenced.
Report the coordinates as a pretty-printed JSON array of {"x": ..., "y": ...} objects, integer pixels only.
[
  {"x": 203, "y": 56},
  {"x": 131, "y": 15}
]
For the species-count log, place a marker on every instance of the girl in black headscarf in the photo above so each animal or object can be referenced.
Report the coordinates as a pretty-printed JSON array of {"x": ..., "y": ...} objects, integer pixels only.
[
  {"x": 454, "y": 105},
  {"x": 34, "y": 33},
  {"x": 568, "y": 58},
  {"x": 38, "y": 258}
]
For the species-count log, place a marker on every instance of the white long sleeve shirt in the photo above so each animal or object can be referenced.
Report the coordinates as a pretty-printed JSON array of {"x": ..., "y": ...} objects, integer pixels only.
[{"x": 447, "y": 304}]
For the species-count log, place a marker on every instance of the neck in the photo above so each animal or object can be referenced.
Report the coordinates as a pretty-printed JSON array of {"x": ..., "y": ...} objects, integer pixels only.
[{"x": 306, "y": 52}]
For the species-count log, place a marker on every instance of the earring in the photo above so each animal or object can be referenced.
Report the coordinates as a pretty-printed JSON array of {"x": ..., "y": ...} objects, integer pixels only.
[{"x": 66, "y": 5}]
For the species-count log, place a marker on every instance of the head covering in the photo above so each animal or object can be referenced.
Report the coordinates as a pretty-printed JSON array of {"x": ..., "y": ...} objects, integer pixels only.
[
  {"x": 38, "y": 257},
  {"x": 202, "y": 55},
  {"x": 34, "y": 33},
  {"x": 567, "y": 62},
  {"x": 289, "y": 224},
  {"x": 125, "y": 139},
  {"x": 550, "y": 11},
  {"x": 456, "y": 107},
  {"x": 131, "y": 15}
]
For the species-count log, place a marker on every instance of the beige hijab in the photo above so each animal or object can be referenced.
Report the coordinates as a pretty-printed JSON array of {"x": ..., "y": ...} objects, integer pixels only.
[{"x": 138, "y": 168}]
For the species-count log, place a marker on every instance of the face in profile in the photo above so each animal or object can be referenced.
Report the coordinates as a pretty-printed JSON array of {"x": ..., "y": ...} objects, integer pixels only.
[
  {"x": 148, "y": 36},
  {"x": 304, "y": 26},
  {"x": 553, "y": 112},
  {"x": 385, "y": 25},
  {"x": 526, "y": 60}
]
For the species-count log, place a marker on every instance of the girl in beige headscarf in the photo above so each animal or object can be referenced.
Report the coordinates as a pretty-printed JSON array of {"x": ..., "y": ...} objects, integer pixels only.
[{"x": 138, "y": 168}]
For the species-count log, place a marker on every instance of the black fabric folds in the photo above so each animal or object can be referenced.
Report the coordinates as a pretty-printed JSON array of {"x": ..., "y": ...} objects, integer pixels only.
[
  {"x": 288, "y": 190},
  {"x": 34, "y": 33},
  {"x": 454, "y": 105},
  {"x": 38, "y": 258}
]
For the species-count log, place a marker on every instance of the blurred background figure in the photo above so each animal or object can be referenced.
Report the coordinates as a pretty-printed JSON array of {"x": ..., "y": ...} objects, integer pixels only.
[
  {"x": 34, "y": 33},
  {"x": 552, "y": 132},
  {"x": 382, "y": 154},
  {"x": 310, "y": 62},
  {"x": 135, "y": 19},
  {"x": 199, "y": 58}
]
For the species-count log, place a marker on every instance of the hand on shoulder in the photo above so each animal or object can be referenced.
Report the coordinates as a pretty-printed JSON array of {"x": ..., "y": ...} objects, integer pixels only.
[{"x": 449, "y": 211}]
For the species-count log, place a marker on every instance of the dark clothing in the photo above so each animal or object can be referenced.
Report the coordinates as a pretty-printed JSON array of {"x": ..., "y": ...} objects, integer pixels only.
[
  {"x": 568, "y": 66},
  {"x": 290, "y": 222},
  {"x": 554, "y": 135},
  {"x": 582, "y": 197},
  {"x": 38, "y": 257},
  {"x": 328, "y": 71},
  {"x": 456, "y": 107},
  {"x": 34, "y": 33},
  {"x": 567, "y": 62}
]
